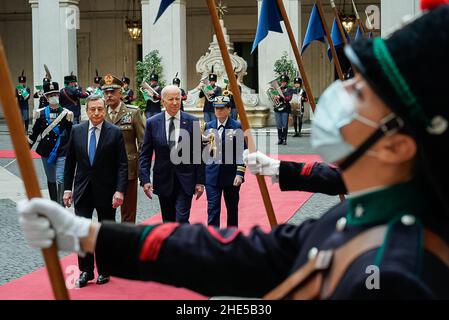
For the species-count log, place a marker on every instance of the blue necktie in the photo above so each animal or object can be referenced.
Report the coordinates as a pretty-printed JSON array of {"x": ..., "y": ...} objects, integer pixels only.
[{"x": 92, "y": 145}]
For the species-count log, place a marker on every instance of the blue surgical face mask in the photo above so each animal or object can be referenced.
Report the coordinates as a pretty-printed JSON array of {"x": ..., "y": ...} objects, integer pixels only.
[{"x": 336, "y": 109}]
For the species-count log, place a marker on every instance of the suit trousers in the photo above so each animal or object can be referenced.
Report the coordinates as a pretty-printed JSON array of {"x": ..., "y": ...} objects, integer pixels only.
[
  {"x": 84, "y": 208},
  {"x": 176, "y": 207},
  {"x": 129, "y": 206},
  {"x": 231, "y": 197}
]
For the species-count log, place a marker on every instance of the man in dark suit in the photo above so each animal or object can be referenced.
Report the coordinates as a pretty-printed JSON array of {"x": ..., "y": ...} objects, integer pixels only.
[
  {"x": 168, "y": 135},
  {"x": 225, "y": 171},
  {"x": 97, "y": 150}
]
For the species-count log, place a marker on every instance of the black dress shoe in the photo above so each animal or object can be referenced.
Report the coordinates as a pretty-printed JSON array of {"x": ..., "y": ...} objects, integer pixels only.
[
  {"x": 296, "y": 134},
  {"x": 102, "y": 279},
  {"x": 84, "y": 279}
]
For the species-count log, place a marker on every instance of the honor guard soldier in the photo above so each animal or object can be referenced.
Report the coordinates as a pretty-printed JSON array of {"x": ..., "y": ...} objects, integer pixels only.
[
  {"x": 53, "y": 125},
  {"x": 209, "y": 92},
  {"x": 127, "y": 93},
  {"x": 177, "y": 82},
  {"x": 40, "y": 93},
  {"x": 23, "y": 95},
  {"x": 297, "y": 103},
  {"x": 96, "y": 89},
  {"x": 131, "y": 123},
  {"x": 388, "y": 240},
  {"x": 154, "y": 100},
  {"x": 225, "y": 173},
  {"x": 71, "y": 95},
  {"x": 281, "y": 113}
]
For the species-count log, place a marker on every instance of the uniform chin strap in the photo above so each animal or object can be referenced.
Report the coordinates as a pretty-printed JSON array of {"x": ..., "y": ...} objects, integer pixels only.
[{"x": 390, "y": 125}]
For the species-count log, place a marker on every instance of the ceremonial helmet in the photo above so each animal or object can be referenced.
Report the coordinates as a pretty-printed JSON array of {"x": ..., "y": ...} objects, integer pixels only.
[
  {"x": 97, "y": 78},
  {"x": 70, "y": 78},
  {"x": 212, "y": 75},
  {"x": 50, "y": 87},
  {"x": 154, "y": 77},
  {"x": 176, "y": 80},
  {"x": 284, "y": 78}
]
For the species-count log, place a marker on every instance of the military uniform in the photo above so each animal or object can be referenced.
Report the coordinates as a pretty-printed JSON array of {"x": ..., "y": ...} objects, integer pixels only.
[
  {"x": 52, "y": 146},
  {"x": 154, "y": 107},
  {"x": 298, "y": 114},
  {"x": 208, "y": 109},
  {"x": 40, "y": 94},
  {"x": 130, "y": 121},
  {"x": 281, "y": 113},
  {"x": 177, "y": 82},
  {"x": 406, "y": 269},
  {"x": 23, "y": 95},
  {"x": 128, "y": 94},
  {"x": 222, "y": 170},
  {"x": 70, "y": 97}
]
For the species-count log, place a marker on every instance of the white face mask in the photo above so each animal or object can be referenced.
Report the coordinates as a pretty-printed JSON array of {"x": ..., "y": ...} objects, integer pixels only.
[
  {"x": 336, "y": 109},
  {"x": 53, "y": 100}
]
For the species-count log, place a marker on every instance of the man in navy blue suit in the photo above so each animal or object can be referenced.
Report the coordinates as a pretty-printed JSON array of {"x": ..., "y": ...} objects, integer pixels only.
[
  {"x": 170, "y": 135},
  {"x": 225, "y": 172}
]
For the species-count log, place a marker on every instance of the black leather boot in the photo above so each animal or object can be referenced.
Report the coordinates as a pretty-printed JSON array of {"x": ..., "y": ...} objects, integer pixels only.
[
  {"x": 53, "y": 191},
  {"x": 285, "y": 134}
]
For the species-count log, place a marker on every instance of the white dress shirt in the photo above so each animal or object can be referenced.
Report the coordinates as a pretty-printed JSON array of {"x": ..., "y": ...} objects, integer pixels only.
[
  {"x": 177, "y": 122},
  {"x": 221, "y": 130}
]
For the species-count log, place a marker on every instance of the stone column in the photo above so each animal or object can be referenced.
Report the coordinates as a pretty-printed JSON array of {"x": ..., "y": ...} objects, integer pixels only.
[
  {"x": 273, "y": 46},
  {"x": 54, "y": 38},
  {"x": 168, "y": 36},
  {"x": 392, "y": 13}
]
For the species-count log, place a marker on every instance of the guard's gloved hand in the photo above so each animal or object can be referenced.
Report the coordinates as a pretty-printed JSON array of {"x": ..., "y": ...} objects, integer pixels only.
[
  {"x": 259, "y": 163},
  {"x": 42, "y": 220}
]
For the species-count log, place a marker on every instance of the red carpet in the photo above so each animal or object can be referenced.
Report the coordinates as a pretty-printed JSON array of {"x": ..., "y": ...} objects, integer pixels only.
[
  {"x": 251, "y": 212},
  {"x": 10, "y": 154}
]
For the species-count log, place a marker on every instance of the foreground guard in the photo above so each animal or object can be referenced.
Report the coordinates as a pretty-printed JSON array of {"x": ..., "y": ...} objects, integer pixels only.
[{"x": 389, "y": 240}]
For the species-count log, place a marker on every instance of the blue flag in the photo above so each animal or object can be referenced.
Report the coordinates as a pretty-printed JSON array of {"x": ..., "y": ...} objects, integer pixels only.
[
  {"x": 164, "y": 5},
  {"x": 269, "y": 20},
  {"x": 337, "y": 38},
  {"x": 315, "y": 30},
  {"x": 359, "y": 34}
]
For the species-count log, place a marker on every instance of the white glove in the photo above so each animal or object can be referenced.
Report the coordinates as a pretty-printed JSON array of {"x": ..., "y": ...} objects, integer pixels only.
[
  {"x": 42, "y": 219},
  {"x": 259, "y": 163}
]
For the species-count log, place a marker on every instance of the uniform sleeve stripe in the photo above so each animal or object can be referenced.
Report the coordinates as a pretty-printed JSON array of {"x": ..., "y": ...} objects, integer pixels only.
[
  {"x": 153, "y": 242},
  {"x": 214, "y": 232},
  {"x": 307, "y": 169}
]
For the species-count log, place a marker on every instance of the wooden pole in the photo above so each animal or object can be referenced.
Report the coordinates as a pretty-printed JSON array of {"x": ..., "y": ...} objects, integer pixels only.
[
  {"x": 359, "y": 21},
  {"x": 20, "y": 143},
  {"x": 339, "y": 24},
  {"x": 297, "y": 53},
  {"x": 239, "y": 103},
  {"x": 329, "y": 40}
]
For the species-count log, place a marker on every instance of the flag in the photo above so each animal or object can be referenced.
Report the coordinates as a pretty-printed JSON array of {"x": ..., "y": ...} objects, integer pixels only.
[
  {"x": 359, "y": 34},
  {"x": 269, "y": 20},
  {"x": 336, "y": 38},
  {"x": 315, "y": 29},
  {"x": 164, "y": 5}
]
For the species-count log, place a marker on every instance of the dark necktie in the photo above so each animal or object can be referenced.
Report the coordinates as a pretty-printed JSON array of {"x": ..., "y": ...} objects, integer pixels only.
[
  {"x": 92, "y": 145},
  {"x": 220, "y": 130},
  {"x": 171, "y": 133}
]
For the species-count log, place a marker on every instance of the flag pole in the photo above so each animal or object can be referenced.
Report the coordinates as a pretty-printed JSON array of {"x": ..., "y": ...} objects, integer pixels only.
[
  {"x": 359, "y": 21},
  {"x": 329, "y": 40},
  {"x": 339, "y": 24},
  {"x": 20, "y": 143},
  {"x": 298, "y": 56},
  {"x": 241, "y": 110}
]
